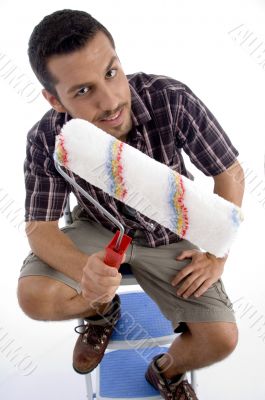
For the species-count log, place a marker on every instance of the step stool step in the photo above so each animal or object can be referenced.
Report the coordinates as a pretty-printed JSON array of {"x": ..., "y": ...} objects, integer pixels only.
[
  {"x": 120, "y": 375},
  {"x": 141, "y": 320}
]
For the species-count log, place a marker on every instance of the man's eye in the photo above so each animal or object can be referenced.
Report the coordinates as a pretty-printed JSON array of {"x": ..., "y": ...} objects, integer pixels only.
[
  {"x": 82, "y": 91},
  {"x": 111, "y": 73}
]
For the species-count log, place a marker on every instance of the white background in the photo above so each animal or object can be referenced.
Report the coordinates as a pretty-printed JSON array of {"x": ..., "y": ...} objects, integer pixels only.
[{"x": 189, "y": 41}]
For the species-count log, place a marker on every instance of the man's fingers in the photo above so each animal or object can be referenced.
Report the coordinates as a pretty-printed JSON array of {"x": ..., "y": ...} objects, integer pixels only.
[
  {"x": 101, "y": 283},
  {"x": 191, "y": 289},
  {"x": 182, "y": 274},
  {"x": 89, "y": 294},
  {"x": 107, "y": 271},
  {"x": 202, "y": 289},
  {"x": 103, "y": 257},
  {"x": 97, "y": 266},
  {"x": 107, "y": 281},
  {"x": 188, "y": 282},
  {"x": 96, "y": 296},
  {"x": 185, "y": 254}
]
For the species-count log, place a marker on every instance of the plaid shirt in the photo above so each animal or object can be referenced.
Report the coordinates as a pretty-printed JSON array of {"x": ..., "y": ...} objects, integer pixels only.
[{"x": 167, "y": 117}]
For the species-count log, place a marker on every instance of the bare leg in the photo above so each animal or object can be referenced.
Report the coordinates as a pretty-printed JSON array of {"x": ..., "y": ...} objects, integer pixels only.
[
  {"x": 204, "y": 344},
  {"x": 43, "y": 298}
]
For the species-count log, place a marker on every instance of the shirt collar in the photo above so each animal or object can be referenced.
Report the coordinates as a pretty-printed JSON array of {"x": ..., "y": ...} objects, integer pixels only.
[{"x": 139, "y": 112}]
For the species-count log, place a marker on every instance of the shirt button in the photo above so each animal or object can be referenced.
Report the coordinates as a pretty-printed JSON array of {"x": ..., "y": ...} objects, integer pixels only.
[{"x": 152, "y": 226}]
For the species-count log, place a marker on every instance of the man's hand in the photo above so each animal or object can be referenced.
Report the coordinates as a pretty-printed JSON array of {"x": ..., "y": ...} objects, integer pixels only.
[
  {"x": 203, "y": 270},
  {"x": 99, "y": 281}
]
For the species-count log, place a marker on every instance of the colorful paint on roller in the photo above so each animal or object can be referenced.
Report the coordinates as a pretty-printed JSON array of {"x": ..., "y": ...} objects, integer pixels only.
[
  {"x": 180, "y": 221},
  {"x": 61, "y": 153},
  {"x": 115, "y": 170},
  {"x": 150, "y": 187}
]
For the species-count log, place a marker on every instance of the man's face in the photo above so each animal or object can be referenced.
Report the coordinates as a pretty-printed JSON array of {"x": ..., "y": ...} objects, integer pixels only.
[{"x": 92, "y": 86}]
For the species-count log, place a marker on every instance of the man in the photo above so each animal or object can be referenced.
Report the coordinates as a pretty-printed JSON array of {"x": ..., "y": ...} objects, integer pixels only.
[{"x": 74, "y": 58}]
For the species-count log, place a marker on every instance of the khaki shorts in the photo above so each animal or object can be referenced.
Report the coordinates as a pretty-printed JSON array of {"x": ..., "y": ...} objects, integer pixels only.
[{"x": 153, "y": 269}]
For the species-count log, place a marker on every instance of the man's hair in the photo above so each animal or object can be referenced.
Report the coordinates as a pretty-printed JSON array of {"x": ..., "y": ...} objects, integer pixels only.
[{"x": 62, "y": 32}]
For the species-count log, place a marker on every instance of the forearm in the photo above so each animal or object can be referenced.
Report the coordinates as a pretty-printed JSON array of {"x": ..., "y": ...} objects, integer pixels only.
[
  {"x": 230, "y": 184},
  {"x": 56, "y": 249}
]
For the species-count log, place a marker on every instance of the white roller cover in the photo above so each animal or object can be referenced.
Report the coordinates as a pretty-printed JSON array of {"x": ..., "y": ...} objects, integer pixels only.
[{"x": 148, "y": 186}]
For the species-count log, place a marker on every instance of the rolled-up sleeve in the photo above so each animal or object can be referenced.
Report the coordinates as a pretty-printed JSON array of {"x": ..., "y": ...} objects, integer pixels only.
[
  {"x": 201, "y": 136},
  {"x": 46, "y": 190}
]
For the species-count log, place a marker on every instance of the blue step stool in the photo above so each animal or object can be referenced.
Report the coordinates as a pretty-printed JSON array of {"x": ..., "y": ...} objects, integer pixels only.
[
  {"x": 137, "y": 338},
  {"x": 120, "y": 375},
  {"x": 141, "y": 323}
]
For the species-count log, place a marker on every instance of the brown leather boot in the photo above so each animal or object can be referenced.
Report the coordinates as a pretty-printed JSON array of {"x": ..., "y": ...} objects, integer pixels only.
[
  {"x": 180, "y": 390},
  {"x": 93, "y": 339}
]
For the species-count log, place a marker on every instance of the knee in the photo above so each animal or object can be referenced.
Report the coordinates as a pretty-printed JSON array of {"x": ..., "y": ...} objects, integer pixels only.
[
  {"x": 225, "y": 340},
  {"x": 217, "y": 339},
  {"x": 36, "y": 296}
]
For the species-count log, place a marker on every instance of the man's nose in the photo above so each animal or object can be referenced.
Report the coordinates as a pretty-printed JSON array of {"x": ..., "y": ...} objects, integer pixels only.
[{"x": 107, "y": 99}]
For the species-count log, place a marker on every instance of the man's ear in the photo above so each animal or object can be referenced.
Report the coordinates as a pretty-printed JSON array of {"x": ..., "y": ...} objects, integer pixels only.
[{"x": 54, "y": 102}]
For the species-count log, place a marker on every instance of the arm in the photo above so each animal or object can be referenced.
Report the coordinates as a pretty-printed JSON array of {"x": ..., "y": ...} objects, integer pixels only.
[
  {"x": 55, "y": 248},
  {"x": 230, "y": 184},
  {"x": 46, "y": 193},
  {"x": 99, "y": 282}
]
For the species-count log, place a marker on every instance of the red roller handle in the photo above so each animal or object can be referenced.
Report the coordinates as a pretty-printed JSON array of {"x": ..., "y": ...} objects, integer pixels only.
[{"x": 113, "y": 257}]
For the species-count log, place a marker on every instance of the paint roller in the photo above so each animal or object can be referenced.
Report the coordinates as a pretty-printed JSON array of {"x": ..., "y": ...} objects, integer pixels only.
[{"x": 146, "y": 185}]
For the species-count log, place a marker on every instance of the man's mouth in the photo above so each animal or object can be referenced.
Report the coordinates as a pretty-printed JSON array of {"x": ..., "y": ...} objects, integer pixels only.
[{"x": 114, "y": 119}]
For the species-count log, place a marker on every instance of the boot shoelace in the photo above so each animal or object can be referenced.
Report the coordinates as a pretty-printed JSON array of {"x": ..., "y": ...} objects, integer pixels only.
[{"x": 95, "y": 335}]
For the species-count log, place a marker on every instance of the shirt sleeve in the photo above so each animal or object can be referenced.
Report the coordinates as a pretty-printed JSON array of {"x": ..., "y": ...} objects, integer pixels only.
[
  {"x": 201, "y": 136},
  {"x": 46, "y": 190}
]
